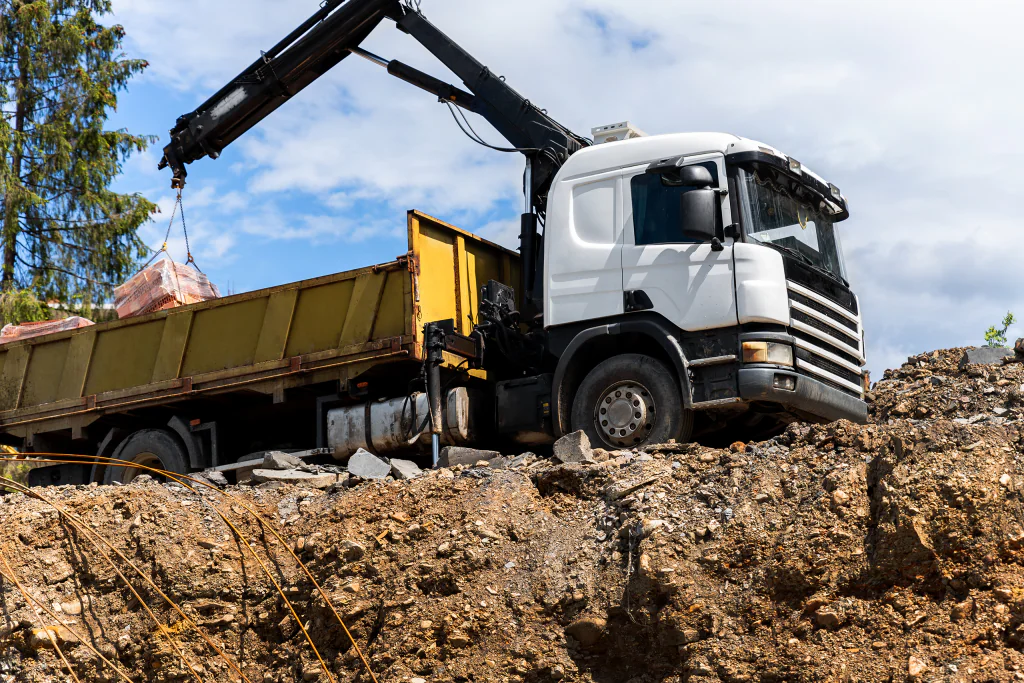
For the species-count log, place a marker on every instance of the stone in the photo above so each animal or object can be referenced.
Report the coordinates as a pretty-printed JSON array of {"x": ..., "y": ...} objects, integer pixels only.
[
  {"x": 762, "y": 498},
  {"x": 587, "y": 630},
  {"x": 573, "y": 448},
  {"x": 459, "y": 455},
  {"x": 521, "y": 460},
  {"x": 1005, "y": 480},
  {"x": 961, "y": 610},
  {"x": 277, "y": 460},
  {"x": 298, "y": 478},
  {"x": 366, "y": 465},
  {"x": 984, "y": 355},
  {"x": 915, "y": 667},
  {"x": 1003, "y": 594},
  {"x": 216, "y": 478},
  {"x": 828, "y": 619},
  {"x": 75, "y": 607},
  {"x": 352, "y": 551},
  {"x": 458, "y": 640},
  {"x": 405, "y": 469},
  {"x": 312, "y": 673},
  {"x": 840, "y": 498}
]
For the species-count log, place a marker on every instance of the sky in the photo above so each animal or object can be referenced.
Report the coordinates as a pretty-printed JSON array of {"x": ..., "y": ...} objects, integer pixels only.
[{"x": 911, "y": 108}]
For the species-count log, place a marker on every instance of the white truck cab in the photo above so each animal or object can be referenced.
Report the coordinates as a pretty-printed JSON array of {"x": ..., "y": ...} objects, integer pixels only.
[{"x": 759, "y": 306}]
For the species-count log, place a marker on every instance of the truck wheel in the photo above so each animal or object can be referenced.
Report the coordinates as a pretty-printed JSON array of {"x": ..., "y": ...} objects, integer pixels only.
[
  {"x": 630, "y": 400},
  {"x": 154, "y": 448}
]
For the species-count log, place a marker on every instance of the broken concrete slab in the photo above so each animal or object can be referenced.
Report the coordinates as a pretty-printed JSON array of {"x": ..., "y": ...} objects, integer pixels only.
[
  {"x": 313, "y": 480},
  {"x": 216, "y": 478},
  {"x": 459, "y": 455},
  {"x": 366, "y": 465},
  {"x": 573, "y": 448},
  {"x": 278, "y": 460},
  {"x": 405, "y": 469},
  {"x": 985, "y": 355}
]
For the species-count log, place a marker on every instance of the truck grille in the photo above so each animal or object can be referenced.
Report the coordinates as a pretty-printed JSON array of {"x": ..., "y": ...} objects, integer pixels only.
[{"x": 828, "y": 340}]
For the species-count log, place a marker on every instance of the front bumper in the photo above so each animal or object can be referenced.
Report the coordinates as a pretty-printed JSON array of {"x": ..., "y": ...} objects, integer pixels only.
[{"x": 811, "y": 396}]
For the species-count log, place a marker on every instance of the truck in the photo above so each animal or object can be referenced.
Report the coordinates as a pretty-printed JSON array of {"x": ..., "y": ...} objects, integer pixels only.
[{"x": 665, "y": 286}]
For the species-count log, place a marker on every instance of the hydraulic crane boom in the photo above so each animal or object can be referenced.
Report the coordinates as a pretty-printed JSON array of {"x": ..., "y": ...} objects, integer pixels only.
[{"x": 331, "y": 35}]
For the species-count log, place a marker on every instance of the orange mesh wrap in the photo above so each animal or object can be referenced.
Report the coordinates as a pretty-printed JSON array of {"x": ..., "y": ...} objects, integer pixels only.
[
  {"x": 163, "y": 285},
  {"x": 15, "y": 332}
]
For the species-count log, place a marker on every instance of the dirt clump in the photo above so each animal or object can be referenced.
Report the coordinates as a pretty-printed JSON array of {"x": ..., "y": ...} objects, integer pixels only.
[{"x": 885, "y": 552}]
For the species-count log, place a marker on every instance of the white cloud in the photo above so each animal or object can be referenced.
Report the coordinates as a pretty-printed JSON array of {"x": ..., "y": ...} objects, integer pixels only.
[{"x": 904, "y": 106}]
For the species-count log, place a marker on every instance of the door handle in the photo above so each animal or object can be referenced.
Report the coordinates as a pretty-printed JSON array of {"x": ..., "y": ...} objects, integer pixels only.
[{"x": 636, "y": 300}]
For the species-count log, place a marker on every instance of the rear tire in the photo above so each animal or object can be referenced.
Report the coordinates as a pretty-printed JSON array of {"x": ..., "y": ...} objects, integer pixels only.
[
  {"x": 154, "y": 448},
  {"x": 628, "y": 401}
]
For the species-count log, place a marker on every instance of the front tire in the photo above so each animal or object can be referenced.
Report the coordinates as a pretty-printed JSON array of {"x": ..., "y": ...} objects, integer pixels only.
[
  {"x": 154, "y": 448},
  {"x": 628, "y": 401}
]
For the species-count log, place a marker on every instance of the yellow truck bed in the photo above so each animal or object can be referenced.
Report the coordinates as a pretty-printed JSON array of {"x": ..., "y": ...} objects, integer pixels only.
[{"x": 329, "y": 328}]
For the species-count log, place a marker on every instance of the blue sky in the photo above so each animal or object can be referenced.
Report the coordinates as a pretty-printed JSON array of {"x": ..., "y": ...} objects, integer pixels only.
[{"x": 909, "y": 107}]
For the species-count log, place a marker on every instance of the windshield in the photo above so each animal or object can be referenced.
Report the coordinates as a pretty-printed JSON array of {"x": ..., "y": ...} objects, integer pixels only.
[{"x": 772, "y": 216}]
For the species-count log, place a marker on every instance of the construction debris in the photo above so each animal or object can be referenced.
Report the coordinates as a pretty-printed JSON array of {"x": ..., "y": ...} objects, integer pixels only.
[
  {"x": 12, "y": 332},
  {"x": 892, "y": 551}
]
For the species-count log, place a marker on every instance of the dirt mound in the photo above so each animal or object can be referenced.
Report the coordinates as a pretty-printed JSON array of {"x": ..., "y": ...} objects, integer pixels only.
[{"x": 885, "y": 552}]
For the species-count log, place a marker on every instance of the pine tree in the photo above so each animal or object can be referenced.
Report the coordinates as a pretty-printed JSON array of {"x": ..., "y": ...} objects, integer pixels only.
[{"x": 66, "y": 236}]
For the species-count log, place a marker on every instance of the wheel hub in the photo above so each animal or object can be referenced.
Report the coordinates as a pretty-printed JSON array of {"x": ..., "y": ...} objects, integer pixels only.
[{"x": 625, "y": 414}]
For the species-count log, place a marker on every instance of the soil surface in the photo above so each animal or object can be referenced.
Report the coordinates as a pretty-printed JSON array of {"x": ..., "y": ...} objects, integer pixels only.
[{"x": 885, "y": 552}]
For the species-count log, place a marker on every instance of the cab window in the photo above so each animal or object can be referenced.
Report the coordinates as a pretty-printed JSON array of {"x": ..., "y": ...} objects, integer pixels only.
[{"x": 656, "y": 202}]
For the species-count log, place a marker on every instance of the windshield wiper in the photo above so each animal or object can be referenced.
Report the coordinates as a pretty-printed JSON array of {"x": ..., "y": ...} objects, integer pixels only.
[{"x": 807, "y": 259}]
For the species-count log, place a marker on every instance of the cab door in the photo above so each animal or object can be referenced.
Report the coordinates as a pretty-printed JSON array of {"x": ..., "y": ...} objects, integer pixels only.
[{"x": 665, "y": 272}]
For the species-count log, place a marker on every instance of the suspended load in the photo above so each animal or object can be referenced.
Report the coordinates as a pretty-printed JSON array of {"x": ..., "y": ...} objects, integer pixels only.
[
  {"x": 162, "y": 285},
  {"x": 13, "y": 332}
]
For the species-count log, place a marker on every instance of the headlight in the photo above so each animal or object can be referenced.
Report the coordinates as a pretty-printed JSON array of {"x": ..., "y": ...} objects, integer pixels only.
[{"x": 767, "y": 352}]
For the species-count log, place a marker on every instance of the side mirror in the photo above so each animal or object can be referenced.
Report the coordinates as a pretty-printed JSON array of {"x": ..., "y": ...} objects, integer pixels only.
[
  {"x": 697, "y": 214},
  {"x": 695, "y": 176}
]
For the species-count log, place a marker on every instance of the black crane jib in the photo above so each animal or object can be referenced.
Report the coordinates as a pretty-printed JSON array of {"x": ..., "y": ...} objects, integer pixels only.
[{"x": 328, "y": 37}]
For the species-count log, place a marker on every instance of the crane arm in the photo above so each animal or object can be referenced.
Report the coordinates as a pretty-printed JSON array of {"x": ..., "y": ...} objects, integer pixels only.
[{"x": 332, "y": 34}]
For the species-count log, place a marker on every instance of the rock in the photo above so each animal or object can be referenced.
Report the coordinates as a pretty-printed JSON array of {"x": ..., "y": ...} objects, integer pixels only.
[
  {"x": 915, "y": 667},
  {"x": 296, "y": 477},
  {"x": 277, "y": 460},
  {"x": 352, "y": 551},
  {"x": 840, "y": 498},
  {"x": 417, "y": 680},
  {"x": 366, "y": 465},
  {"x": 458, "y": 455},
  {"x": 573, "y": 448},
  {"x": 984, "y": 355},
  {"x": 557, "y": 673},
  {"x": 762, "y": 498},
  {"x": 1003, "y": 594},
  {"x": 312, "y": 673},
  {"x": 828, "y": 618},
  {"x": 587, "y": 631},
  {"x": 961, "y": 610},
  {"x": 1005, "y": 480},
  {"x": 521, "y": 460},
  {"x": 43, "y": 638},
  {"x": 458, "y": 640},
  {"x": 216, "y": 478},
  {"x": 405, "y": 469}
]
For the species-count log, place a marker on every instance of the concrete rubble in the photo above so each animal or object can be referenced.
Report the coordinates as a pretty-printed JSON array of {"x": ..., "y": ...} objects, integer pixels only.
[{"x": 892, "y": 551}]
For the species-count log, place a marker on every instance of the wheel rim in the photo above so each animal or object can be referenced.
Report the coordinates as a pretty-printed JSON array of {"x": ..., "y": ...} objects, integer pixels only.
[
  {"x": 146, "y": 459},
  {"x": 625, "y": 414}
]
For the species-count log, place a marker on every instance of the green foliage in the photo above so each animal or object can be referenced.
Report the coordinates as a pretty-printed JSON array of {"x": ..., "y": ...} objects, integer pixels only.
[
  {"x": 996, "y": 336},
  {"x": 21, "y": 306},
  {"x": 65, "y": 235}
]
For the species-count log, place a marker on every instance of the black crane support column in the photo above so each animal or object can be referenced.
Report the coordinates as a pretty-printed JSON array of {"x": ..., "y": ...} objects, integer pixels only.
[{"x": 433, "y": 339}]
